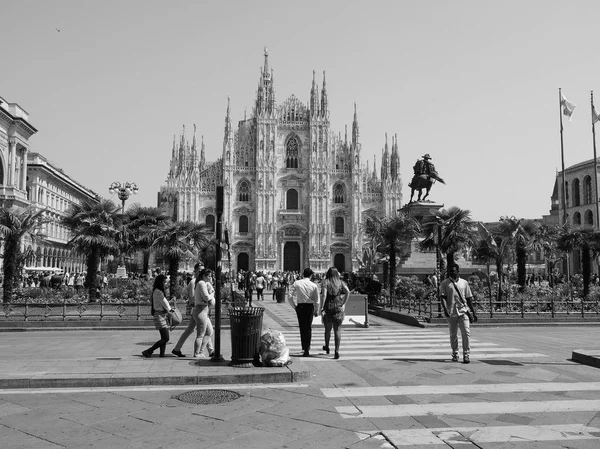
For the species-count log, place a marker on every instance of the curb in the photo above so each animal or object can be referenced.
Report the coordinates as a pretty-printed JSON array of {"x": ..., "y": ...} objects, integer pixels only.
[
  {"x": 590, "y": 357},
  {"x": 254, "y": 375}
]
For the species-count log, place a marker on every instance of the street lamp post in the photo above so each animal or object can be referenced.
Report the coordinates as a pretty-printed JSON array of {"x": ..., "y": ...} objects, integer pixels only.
[{"x": 123, "y": 191}]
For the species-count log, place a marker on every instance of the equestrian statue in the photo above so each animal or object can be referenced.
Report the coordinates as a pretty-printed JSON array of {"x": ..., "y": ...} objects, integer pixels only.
[{"x": 424, "y": 177}]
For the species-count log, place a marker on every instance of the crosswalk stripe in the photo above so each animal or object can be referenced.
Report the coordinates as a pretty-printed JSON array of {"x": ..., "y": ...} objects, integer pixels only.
[
  {"x": 417, "y": 350},
  {"x": 533, "y": 387},
  {"x": 418, "y": 355},
  {"x": 454, "y": 436},
  {"x": 467, "y": 408}
]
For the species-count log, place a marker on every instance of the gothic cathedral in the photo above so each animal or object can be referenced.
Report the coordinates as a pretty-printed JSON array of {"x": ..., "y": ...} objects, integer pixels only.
[{"x": 296, "y": 193}]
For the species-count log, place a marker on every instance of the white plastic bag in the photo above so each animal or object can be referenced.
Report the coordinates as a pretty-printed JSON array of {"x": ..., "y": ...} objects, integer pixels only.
[{"x": 272, "y": 350}]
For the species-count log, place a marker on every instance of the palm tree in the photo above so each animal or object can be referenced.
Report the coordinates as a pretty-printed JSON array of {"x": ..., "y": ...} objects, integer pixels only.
[
  {"x": 14, "y": 225},
  {"x": 392, "y": 235},
  {"x": 545, "y": 240},
  {"x": 585, "y": 240},
  {"x": 453, "y": 228},
  {"x": 523, "y": 240},
  {"x": 141, "y": 222},
  {"x": 180, "y": 241},
  {"x": 497, "y": 245},
  {"x": 97, "y": 231}
]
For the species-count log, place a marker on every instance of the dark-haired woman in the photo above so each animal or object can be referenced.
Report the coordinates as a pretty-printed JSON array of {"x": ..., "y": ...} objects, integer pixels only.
[
  {"x": 336, "y": 295},
  {"x": 160, "y": 308}
]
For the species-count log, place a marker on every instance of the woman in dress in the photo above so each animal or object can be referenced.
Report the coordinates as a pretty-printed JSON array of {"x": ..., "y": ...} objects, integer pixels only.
[
  {"x": 204, "y": 297},
  {"x": 336, "y": 295},
  {"x": 160, "y": 308}
]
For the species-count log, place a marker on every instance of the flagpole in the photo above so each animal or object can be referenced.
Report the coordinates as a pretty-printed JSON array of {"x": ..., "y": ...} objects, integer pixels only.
[
  {"x": 595, "y": 168},
  {"x": 564, "y": 191},
  {"x": 562, "y": 158}
]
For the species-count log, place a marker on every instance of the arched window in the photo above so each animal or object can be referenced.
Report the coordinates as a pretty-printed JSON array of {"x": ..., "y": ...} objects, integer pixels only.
[
  {"x": 589, "y": 217},
  {"x": 587, "y": 190},
  {"x": 339, "y": 193},
  {"x": 291, "y": 152},
  {"x": 244, "y": 191},
  {"x": 291, "y": 199},
  {"x": 210, "y": 221},
  {"x": 243, "y": 224},
  {"x": 576, "y": 197},
  {"x": 577, "y": 218},
  {"x": 339, "y": 225}
]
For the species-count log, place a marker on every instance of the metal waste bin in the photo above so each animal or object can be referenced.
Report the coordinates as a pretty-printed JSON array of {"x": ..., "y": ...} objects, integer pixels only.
[
  {"x": 246, "y": 329},
  {"x": 279, "y": 293}
]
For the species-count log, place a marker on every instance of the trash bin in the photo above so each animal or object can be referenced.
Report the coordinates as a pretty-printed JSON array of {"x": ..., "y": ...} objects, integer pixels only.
[
  {"x": 246, "y": 329},
  {"x": 279, "y": 294}
]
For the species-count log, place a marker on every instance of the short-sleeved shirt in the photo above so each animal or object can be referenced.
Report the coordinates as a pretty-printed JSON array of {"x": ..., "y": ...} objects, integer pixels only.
[{"x": 455, "y": 306}]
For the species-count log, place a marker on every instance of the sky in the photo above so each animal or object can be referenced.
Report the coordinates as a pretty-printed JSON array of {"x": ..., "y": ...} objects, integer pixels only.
[{"x": 472, "y": 83}]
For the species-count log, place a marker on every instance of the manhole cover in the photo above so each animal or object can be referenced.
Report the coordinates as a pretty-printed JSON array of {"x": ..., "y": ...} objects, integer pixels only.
[
  {"x": 208, "y": 396},
  {"x": 502, "y": 362}
]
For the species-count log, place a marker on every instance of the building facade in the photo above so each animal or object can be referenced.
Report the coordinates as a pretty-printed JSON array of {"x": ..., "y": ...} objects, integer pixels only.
[
  {"x": 27, "y": 179},
  {"x": 15, "y": 131},
  {"x": 49, "y": 188},
  {"x": 296, "y": 192}
]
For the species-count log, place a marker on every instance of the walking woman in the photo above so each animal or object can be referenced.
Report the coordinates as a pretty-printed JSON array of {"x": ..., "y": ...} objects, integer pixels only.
[
  {"x": 204, "y": 297},
  {"x": 160, "y": 307},
  {"x": 336, "y": 295}
]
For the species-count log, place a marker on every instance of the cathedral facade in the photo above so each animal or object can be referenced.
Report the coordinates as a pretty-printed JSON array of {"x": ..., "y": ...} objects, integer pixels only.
[{"x": 295, "y": 192}]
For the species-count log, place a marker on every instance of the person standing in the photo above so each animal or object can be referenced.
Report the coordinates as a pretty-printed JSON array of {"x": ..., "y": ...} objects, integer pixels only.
[
  {"x": 336, "y": 295},
  {"x": 304, "y": 299},
  {"x": 260, "y": 286},
  {"x": 189, "y": 293},
  {"x": 457, "y": 301},
  {"x": 204, "y": 297},
  {"x": 160, "y": 307}
]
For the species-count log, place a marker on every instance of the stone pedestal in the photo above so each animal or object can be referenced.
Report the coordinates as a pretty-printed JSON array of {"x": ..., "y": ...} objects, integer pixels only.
[
  {"x": 421, "y": 209},
  {"x": 121, "y": 272}
]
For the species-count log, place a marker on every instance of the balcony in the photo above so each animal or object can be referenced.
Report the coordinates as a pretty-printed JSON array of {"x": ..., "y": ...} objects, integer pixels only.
[{"x": 12, "y": 196}]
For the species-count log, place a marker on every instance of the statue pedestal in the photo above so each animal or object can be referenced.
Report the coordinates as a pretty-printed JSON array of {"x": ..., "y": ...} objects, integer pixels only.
[
  {"x": 121, "y": 272},
  {"x": 421, "y": 209}
]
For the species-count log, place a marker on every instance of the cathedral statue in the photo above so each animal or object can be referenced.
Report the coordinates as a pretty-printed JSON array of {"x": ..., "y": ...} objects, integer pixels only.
[{"x": 424, "y": 177}]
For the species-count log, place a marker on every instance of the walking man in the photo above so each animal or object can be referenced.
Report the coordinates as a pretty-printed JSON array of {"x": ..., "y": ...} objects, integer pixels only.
[
  {"x": 304, "y": 299},
  {"x": 189, "y": 293},
  {"x": 457, "y": 301}
]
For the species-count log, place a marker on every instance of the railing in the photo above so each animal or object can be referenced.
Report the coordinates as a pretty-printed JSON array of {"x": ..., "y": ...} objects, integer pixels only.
[
  {"x": 540, "y": 307},
  {"x": 98, "y": 311}
]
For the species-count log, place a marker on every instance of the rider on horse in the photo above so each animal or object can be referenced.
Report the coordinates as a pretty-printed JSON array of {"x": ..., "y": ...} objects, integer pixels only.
[{"x": 424, "y": 177}]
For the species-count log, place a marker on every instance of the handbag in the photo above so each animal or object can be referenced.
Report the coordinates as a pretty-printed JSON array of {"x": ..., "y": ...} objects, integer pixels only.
[
  {"x": 470, "y": 316},
  {"x": 174, "y": 318}
]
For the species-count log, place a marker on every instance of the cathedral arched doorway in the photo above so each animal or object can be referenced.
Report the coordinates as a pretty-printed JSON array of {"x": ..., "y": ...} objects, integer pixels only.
[
  {"x": 243, "y": 262},
  {"x": 291, "y": 257},
  {"x": 339, "y": 262}
]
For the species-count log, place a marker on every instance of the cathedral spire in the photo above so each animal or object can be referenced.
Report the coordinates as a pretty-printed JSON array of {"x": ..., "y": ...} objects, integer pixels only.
[
  {"x": 355, "y": 132},
  {"x": 202, "y": 154},
  {"x": 228, "y": 129},
  {"x": 266, "y": 66},
  {"x": 313, "y": 96},
  {"x": 385, "y": 167},
  {"x": 324, "y": 100},
  {"x": 346, "y": 135},
  {"x": 395, "y": 160},
  {"x": 173, "y": 150}
]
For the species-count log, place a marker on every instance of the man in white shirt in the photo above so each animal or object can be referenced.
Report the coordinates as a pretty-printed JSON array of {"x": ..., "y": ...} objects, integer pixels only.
[
  {"x": 304, "y": 299},
  {"x": 189, "y": 293},
  {"x": 457, "y": 300}
]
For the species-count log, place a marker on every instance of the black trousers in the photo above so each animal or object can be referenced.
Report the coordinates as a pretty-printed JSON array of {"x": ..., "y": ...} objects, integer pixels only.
[{"x": 305, "y": 318}]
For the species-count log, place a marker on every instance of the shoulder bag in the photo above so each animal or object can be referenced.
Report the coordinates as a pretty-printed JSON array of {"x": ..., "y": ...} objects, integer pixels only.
[
  {"x": 174, "y": 318},
  {"x": 468, "y": 312}
]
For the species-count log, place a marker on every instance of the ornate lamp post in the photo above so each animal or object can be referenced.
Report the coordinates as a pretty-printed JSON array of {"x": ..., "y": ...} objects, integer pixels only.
[{"x": 123, "y": 191}]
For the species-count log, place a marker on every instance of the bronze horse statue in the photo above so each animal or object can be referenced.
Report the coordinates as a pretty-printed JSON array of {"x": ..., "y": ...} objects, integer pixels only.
[{"x": 423, "y": 181}]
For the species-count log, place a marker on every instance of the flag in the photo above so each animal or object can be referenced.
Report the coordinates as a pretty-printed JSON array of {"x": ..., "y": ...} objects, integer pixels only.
[
  {"x": 567, "y": 106},
  {"x": 595, "y": 115}
]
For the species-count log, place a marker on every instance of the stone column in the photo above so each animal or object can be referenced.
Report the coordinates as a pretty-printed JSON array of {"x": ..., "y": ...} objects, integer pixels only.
[
  {"x": 12, "y": 150},
  {"x": 24, "y": 171}
]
